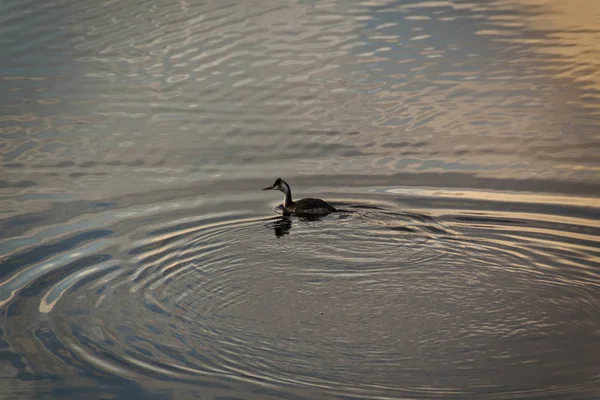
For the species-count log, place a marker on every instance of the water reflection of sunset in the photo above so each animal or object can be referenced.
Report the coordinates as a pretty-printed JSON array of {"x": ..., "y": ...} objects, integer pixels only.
[
  {"x": 458, "y": 139},
  {"x": 570, "y": 32}
]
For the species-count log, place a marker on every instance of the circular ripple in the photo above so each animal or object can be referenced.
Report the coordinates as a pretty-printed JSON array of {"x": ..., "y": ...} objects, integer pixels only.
[{"x": 369, "y": 303}]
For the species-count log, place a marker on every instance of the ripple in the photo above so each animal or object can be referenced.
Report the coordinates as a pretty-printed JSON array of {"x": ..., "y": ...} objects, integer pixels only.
[
  {"x": 355, "y": 304},
  {"x": 137, "y": 260}
]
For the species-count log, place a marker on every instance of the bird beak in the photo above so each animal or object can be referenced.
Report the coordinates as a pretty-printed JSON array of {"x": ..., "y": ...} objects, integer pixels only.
[{"x": 270, "y": 187}]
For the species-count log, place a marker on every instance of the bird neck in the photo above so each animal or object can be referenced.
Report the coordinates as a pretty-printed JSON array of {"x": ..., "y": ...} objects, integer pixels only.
[{"x": 287, "y": 192}]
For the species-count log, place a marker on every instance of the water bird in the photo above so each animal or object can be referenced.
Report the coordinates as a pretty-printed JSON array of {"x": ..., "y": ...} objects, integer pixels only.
[{"x": 308, "y": 206}]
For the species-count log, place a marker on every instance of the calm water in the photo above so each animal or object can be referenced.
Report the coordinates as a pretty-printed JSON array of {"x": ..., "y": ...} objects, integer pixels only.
[{"x": 139, "y": 258}]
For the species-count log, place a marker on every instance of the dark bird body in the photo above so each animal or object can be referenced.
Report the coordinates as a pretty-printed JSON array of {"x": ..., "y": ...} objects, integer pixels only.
[{"x": 306, "y": 206}]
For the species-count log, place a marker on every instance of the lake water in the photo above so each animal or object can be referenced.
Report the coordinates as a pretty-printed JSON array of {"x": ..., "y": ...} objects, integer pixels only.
[{"x": 140, "y": 259}]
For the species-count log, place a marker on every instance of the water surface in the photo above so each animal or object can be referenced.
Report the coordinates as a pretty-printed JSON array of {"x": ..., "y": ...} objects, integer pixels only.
[{"x": 139, "y": 257}]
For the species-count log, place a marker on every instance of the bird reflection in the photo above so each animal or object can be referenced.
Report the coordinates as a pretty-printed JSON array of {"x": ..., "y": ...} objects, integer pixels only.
[{"x": 282, "y": 225}]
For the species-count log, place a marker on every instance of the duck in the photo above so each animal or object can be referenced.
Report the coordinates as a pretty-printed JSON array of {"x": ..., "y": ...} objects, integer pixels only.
[{"x": 304, "y": 207}]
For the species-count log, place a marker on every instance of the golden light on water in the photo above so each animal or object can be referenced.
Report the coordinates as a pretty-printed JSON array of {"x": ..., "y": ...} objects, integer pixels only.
[{"x": 571, "y": 32}]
